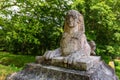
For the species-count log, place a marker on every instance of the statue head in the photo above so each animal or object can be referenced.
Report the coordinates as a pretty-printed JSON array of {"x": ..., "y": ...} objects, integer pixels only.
[{"x": 74, "y": 20}]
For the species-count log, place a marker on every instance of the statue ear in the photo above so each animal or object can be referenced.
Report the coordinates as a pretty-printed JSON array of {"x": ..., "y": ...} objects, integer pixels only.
[
  {"x": 65, "y": 26},
  {"x": 81, "y": 24}
]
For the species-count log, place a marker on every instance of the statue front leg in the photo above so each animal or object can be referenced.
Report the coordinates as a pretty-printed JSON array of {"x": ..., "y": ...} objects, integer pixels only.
[
  {"x": 74, "y": 57},
  {"x": 52, "y": 54}
]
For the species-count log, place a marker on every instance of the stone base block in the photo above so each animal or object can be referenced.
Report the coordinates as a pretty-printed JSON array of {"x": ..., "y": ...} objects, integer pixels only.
[
  {"x": 34, "y": 71},
  {"x": 84, "y": 63}
]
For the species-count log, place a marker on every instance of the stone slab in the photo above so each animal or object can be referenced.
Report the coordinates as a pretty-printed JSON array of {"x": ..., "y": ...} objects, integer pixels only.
[
  {"x": 34, "y": 71},
  {"x": 84, "y": 63}
]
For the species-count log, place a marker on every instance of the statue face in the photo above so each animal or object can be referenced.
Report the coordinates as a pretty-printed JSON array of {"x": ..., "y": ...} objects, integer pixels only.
[
  {"x": 74, "y": 22},
  {"x": 71, "y": 21}
]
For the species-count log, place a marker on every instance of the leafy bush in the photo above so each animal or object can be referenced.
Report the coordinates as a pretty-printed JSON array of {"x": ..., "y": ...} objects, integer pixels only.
[
  {"x": 37, "y": 27},
  {"x": 102, "y": 24},
  {"x": 117, "y": 69}
]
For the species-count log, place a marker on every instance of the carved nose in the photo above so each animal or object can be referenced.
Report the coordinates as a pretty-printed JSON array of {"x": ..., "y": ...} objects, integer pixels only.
[{"x": 71, "y": 19}]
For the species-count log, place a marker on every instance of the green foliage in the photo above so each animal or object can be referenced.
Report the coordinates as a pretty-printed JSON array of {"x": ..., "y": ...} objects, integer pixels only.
[
  {"x": 37, "y": 25},
  {"x": 102, "y": 24},
  {"x": 6, "y": 70},
  {"x": 105, "y": 58},
  {"x": 10, "y": 63},
  {"x": 117, "y": 67}
]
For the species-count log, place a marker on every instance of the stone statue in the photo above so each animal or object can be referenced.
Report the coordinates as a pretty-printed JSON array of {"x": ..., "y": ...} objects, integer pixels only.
[
  {"x": 73, "y": 44},
  {"x": 74, "y": 60}
]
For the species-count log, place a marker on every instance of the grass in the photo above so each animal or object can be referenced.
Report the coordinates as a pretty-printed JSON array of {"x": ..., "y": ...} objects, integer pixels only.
[
  {"x": 10, "y": 63},
  {"x": 16, "y": 60},
  {"x": 5, "y": 70},
  {"x": 107, "y": 59}
]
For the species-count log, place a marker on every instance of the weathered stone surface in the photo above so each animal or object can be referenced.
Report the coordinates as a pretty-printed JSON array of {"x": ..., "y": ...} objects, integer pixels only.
[
  {"x": 33, "y": 71},
  {"x": 73, "y": 44},
  {"x": 84, "y": 63}
]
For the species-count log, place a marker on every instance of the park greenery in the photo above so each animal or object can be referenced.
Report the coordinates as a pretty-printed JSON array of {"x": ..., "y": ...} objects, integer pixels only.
[
  {"x": 36, "y": 26},
  {"x": 16, "y": 63},
  {"x": 30, "y": 27}
]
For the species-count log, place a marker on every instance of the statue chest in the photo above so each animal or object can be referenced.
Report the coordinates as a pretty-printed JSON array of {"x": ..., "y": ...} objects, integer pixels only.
[{"x": 70, "y": 44}]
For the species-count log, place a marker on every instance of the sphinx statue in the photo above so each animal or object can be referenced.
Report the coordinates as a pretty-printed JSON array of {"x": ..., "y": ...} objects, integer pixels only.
[
  {"x": 75, "y": 59},
  {"x": 73, "y": 44}
]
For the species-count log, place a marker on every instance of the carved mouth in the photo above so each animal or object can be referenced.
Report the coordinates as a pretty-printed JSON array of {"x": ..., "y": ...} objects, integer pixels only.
[{"x": 71, "y": 25}]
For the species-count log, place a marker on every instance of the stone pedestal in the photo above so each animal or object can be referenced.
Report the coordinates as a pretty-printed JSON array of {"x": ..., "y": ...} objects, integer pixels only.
[{"x": 34, "y": 71}]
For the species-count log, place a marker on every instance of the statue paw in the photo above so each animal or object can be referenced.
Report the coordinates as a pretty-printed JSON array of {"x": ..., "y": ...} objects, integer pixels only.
[
  {"x": 70, "y": 59},
  {"x": 74, "y": 57},
  {"x": 47, "y": 54},
  {"x": 51, "y": 54}
]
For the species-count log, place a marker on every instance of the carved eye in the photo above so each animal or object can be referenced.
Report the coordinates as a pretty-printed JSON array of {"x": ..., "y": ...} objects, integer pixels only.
[
  {"x": 74, "y": 17},
  {"x": 68, "y": 16}
]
